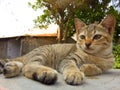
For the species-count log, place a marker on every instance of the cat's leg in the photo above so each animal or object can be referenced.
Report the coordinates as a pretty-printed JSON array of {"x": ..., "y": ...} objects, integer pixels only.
[
  {"x": 40, "y": 73},
  {"x": 90, "y": 69},
  {"x": 71, "y": 73},
  {"x": 12, "y": 68}
]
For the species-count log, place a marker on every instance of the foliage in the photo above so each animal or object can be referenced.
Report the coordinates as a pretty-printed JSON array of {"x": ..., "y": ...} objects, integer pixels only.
[
  {"x": 63, "y": 12},
  {"x": 116, "y": 51}
]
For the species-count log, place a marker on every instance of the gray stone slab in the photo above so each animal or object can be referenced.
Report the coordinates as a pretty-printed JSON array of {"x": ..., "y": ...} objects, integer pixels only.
[{"x": 107, "y": 81}]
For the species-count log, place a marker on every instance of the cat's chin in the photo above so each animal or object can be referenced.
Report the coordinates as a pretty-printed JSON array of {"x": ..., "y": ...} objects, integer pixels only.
[{"x": 90, "y": 50}]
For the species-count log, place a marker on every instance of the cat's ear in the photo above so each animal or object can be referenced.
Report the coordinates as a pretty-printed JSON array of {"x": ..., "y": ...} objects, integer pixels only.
[
  {"x": 78, "y": 25},
  {"x": 109, "y": 23}
]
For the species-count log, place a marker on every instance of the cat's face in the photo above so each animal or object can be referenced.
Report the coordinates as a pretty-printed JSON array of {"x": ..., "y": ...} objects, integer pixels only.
[{"x": 95, "y": 37}]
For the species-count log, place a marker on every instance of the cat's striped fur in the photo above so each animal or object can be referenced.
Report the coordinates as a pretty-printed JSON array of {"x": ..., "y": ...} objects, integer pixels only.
[{"x": 91, "y": 55}]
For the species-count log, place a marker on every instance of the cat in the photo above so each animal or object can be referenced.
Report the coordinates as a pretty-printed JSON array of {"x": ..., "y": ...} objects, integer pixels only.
[{"x": 91, "y": 55}]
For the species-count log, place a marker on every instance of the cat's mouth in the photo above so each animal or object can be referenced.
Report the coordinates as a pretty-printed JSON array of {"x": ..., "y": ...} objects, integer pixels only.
[{"x": 89, "y": 50}]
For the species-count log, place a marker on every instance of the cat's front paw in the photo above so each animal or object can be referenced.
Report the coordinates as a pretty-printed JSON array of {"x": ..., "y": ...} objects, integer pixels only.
[
  {"x": 74, "y": 77},
  {"x": 1, "y": 68},
  {"x": 2, "y": 63},
  {"x": 90, "y": 69},
  {"x": 46, "y": 77},
  {"x": 41, "y": 74},
  {"x": 12, "y": 69}
]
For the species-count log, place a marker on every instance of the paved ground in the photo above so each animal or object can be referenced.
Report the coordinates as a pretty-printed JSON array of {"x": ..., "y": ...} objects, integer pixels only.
[{"x": 107, "y": 81}]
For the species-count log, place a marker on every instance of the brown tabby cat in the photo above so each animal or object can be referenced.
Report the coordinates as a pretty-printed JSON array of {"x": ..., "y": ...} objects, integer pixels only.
[{"x": 91, "y": 55}]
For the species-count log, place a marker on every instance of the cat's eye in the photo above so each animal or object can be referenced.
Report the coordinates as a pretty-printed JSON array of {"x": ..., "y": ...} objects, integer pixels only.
[
  {"x": 98, "y": 36},
  {"x": 82, "y": 37}
]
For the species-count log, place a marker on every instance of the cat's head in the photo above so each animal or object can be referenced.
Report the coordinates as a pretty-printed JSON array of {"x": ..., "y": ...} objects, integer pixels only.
[{"x": 95, "y": 37}]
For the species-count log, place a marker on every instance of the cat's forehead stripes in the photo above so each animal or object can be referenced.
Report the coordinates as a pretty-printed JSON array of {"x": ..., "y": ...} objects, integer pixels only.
[{"x": 90, "y": 29}]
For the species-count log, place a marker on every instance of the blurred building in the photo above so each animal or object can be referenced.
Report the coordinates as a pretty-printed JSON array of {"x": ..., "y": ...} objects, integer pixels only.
[{"x": 17, "y": 45}]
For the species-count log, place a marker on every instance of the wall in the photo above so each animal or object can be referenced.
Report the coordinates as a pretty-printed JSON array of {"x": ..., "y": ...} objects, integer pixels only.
[
  {"x": 13, "y": 48},
  {"x": 10, "y": 47},
  {"x": 29, "y": 43},
  {"x": 3, "y": 46}
]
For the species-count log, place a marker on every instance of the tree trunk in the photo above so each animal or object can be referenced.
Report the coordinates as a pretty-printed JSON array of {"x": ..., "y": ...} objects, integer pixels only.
[
  {"x": 65, "y": 33},
  {"x": 60, "y": 34}
]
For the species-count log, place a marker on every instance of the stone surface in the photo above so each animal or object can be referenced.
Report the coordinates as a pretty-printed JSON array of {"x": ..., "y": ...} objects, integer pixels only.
[{"x": 107, "y": 81}]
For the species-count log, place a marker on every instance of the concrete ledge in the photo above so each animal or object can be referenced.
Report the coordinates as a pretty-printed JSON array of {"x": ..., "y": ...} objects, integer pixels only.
[{"x": 107, "y": 81}]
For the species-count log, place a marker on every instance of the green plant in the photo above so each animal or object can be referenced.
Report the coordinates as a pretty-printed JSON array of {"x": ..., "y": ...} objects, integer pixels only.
[{"x": 116, "y": 51}]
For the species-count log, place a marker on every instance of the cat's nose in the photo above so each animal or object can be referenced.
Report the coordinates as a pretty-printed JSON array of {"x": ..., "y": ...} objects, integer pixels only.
[{"x": 87, "y": 45}]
